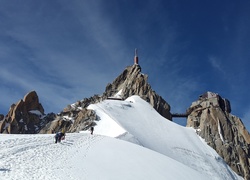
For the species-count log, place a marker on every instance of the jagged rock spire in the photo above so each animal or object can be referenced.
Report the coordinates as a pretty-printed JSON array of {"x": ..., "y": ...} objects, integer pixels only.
[
  {"x": 23, "y": 116},
  {"x": 133, "y": 82}
]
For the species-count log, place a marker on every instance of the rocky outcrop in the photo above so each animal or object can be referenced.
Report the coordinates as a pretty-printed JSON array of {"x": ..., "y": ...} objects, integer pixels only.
[
  {"x": 84, "y": 119},
  {"x": 130, "y": 82},
  {"x": 25, "y": 117},
  {"x": 224, "y": 132},
  {"x": 74, "y": 118},
  {"x": 71, "y": 121}
]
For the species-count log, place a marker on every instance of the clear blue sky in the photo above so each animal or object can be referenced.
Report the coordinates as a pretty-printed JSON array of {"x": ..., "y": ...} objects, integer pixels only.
[{"x": 69, "y": 50}]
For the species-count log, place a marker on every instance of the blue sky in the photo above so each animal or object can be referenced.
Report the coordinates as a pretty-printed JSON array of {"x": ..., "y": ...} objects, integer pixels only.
[{"x": 69, "y": 50}]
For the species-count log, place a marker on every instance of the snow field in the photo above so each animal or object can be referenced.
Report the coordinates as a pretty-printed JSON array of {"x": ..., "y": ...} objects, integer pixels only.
[{"x": 160, "y": 150}]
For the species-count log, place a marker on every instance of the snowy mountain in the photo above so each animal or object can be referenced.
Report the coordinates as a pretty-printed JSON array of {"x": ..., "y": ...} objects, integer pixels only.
[
  {"x": 131, "y": 81},
  {"x": 112, "y": 114},
  {"x": 131, "y": 141}
]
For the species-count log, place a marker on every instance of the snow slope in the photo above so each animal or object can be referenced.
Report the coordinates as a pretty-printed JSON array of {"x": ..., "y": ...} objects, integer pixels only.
[
  {"x": 160, "y": 150},
  {"x": 144, "y": 125}
]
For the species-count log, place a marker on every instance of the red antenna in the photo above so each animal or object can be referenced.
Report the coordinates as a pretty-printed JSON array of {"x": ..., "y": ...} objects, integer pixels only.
[{"x": 136, "y": 57}]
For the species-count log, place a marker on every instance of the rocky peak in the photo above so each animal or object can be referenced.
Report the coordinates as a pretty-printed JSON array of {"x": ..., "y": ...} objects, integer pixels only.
[
  {"x": 131, "y": 81},
  {"x": 224, "y": 132},
  {"x": 31, "y": 102},
  {"x": 24, "y": 116}
]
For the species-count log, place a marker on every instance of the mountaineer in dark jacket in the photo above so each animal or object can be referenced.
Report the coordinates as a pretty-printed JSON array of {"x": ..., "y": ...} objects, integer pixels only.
[
  {"x": 91, "y": 130},
  {"x": 59, "y": 136}
]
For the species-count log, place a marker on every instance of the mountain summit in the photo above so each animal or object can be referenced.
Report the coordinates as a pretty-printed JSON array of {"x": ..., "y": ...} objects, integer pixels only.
[{"x": 131, "y": 81}]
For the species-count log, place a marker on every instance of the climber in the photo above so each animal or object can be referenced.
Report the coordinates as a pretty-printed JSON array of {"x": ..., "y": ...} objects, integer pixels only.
[
  {"x": 91, "y": 130},
  {"x": 59, "y": 136}
]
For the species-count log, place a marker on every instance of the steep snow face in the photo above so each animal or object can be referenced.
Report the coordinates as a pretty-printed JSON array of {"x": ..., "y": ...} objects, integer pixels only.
[
  {"x": 146, "y": 127},
  {"x": 106, "y": 125}
]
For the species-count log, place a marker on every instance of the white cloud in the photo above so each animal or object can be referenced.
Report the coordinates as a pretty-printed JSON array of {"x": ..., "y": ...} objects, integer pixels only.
[
  {"x": 216, "y": 64},
  {"x": 50, "y": 59}
]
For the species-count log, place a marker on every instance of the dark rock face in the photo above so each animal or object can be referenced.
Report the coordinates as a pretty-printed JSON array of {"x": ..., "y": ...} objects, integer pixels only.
[
  {"x": 25, "y": 117},
  {"x": 224, "y": 132},
  {"x": 1, "y": 117}
]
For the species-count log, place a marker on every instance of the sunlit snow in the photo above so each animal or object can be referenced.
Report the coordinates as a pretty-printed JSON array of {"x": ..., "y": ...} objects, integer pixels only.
[{"x": 160, "y": 150}]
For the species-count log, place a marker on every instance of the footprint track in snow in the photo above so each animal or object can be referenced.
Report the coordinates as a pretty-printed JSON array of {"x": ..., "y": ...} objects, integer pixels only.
[{"x": 27, "y": 156}]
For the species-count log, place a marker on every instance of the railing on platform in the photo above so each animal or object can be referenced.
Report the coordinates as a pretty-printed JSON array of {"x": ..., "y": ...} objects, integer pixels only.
[{"x": 180, "y": 115}]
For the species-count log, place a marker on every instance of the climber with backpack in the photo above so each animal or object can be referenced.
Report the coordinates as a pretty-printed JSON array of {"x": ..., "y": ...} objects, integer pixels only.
[{"x": 59, "y": 136}]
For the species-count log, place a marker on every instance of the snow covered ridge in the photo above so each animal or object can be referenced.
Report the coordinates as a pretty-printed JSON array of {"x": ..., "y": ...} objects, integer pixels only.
[
  {"x": 159, "y": 150},
  {"x": 136, "y": 121}
]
